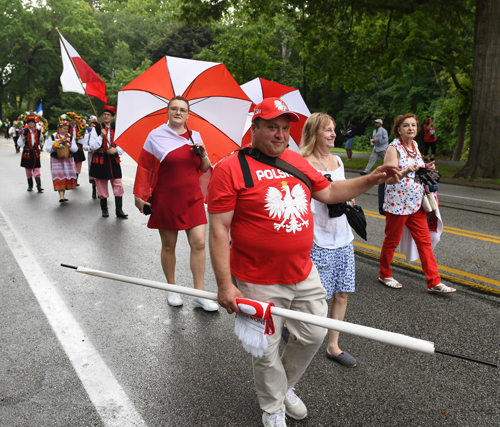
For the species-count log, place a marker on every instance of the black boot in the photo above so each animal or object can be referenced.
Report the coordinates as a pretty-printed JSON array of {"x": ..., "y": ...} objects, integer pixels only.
[
  {"x": 104, "y": 207},
  {"x": 78, "y": 185},
  {"x": 119, "y": 211},
  {"x": 30, "y": 184},
  {"x": 94, "y": 188},
  {"x": 39, "y": 185}
]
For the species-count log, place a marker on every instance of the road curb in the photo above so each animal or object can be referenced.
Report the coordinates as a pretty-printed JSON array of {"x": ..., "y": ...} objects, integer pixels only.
[{"x": 475, "y": 286}]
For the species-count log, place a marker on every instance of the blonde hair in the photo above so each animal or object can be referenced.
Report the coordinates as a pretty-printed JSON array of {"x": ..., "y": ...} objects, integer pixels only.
[{"x": 309, "y": 131}]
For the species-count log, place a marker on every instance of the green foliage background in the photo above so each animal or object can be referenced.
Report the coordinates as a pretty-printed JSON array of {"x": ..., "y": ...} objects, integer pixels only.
[{"x": 359, "y": 60}]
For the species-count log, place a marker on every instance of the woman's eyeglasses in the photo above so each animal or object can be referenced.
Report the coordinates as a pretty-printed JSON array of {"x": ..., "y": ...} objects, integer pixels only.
[{"x": 182, "y": 110}]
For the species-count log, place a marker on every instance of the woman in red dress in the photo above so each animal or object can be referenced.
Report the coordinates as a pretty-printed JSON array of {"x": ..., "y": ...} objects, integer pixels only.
[{"x": 168, "y": 170}]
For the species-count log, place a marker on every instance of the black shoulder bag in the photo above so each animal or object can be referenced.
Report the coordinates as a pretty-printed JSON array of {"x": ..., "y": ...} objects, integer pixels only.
[{"x": 271, "y": 161}]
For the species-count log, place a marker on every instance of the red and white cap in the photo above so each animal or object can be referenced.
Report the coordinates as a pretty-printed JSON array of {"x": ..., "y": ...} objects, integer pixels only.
[
  {"x": 109, "y": 109},
  {"x": 270, "y": 108}
]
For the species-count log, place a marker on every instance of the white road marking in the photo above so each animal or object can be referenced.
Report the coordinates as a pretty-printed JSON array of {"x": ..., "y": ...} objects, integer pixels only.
[
  {"x": 468, "y": 198},
  {"x": 109, "y": 399}
]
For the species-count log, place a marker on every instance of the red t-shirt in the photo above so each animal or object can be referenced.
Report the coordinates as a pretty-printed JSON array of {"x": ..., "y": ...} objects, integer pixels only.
[
  {"x": 429, "y": 133},
  {"x": 272, "y": 226}
]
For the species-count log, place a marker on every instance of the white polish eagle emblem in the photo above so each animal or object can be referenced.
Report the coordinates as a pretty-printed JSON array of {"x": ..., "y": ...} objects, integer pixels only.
[
  {"x": 289, "y": 206},
  {"x": 280, "y": 105}
]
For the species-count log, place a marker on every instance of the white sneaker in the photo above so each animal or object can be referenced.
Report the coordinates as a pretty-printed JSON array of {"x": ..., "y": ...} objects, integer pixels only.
[
  {"x": 174, "y": 299},
  {"x": 294, "y": 407},
  {"x": 274, "y": 420},
  {"x": 205, "y": 304}
]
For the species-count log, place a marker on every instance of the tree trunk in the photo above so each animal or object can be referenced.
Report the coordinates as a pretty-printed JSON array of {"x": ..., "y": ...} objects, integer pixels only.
[
  {"x": 304, "y": 81},
  {"x": 459, "y": 148},
  {"x": 484, "y": 155}
]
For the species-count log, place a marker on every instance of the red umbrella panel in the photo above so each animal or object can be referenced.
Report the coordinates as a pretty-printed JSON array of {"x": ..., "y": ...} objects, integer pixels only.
[
  {"x": 258, "y": 89},
  {"x": 218, "y": 106}
]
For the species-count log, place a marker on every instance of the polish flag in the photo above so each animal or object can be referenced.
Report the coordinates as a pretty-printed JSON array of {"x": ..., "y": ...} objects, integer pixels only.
[
  {"x": 86, "y": 77},
  {"x": 159, "y": 143}
]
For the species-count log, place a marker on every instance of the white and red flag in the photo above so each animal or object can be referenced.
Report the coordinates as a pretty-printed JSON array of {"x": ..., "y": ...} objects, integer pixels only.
[
  {"x": 159, "y": 143},
  {"x": 77, "y": 76},
  {"x": 253, "y": 323}
]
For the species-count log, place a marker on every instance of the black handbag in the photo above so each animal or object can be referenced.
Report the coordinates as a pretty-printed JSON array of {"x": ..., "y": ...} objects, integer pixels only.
[
  {"x": 356, "y": 218},
  {"x": 336, "y": 209}
]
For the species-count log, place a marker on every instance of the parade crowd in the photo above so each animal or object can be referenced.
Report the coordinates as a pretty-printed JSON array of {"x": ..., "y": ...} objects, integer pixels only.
[
  {"x": 67, "y": 147},
  {"x": 278, "y": 231}
]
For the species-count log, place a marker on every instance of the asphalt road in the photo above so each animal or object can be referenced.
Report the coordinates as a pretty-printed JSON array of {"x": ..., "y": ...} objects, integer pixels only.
[{"x": 77, "y": 350}]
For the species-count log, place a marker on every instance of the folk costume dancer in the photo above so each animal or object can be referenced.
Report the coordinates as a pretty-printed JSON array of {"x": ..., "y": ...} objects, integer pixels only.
[
  {"x": 271, "y": 228},
  {"x": 85, "y": 143},
  {"x": 79, "y": 156},
  {"x": 106, "y": 163},
  {"x": 31, "y": 141},
  {"x": 62, "y": 168}
]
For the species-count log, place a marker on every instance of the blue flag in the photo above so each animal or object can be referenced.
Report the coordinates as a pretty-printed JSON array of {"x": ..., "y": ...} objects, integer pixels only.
[{"x": 39, "y": 110}]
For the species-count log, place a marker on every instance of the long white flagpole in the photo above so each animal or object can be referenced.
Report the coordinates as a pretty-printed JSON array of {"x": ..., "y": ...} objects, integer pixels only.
[{"x": 379, "y": 335}]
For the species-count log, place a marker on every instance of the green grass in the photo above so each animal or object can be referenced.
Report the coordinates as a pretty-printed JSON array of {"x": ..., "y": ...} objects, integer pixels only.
[{"x": 446, "y": 171}]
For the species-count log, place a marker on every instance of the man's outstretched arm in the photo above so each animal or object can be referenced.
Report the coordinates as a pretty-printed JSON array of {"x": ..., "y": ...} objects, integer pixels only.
[{"x": 341, "y": 191}]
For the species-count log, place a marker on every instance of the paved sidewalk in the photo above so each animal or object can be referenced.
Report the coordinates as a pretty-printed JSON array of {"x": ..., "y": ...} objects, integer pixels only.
[
  {"x": 367, "y": 156},
  {"x": 488, "y": 185}
]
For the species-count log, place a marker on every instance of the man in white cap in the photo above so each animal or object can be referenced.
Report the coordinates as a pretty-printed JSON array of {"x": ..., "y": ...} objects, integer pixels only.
[
  {"x": 271, "y": 228},
  {"x": 380, "y": 142}
]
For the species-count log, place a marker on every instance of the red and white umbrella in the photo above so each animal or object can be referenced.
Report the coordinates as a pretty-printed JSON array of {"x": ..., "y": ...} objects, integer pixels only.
[
  {"x": 258, "y": 89},
  {"x": 218, "y": 106}
]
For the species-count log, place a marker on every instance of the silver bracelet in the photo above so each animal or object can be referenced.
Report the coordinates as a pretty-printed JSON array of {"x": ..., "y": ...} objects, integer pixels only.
[{"x": 204, "y": 158}]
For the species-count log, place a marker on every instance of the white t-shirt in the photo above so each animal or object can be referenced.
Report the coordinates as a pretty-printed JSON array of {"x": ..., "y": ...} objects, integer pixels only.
[{"x": 331, "y": 233}]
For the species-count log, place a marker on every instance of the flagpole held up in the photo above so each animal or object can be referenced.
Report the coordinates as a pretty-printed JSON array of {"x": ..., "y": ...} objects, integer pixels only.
[
  {"x": 76, "y": 71},
  {"x": 379, "y": 335}
]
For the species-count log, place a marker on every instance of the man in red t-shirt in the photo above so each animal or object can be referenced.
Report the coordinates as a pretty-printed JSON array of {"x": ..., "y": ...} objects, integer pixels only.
[
  {"x": 429, "y": 140},
  {"x": 271, "y": 229}
]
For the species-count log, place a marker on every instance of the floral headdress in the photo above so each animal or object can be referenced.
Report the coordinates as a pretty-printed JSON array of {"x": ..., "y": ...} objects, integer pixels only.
[
  {"x": 80, "y": 123},
  {"x": 31, "y": 115}
]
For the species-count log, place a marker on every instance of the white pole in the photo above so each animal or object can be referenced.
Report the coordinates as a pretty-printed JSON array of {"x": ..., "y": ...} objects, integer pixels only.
[
  {"x": 324, "y": 322},
  {"x": 359, "y": 330}
]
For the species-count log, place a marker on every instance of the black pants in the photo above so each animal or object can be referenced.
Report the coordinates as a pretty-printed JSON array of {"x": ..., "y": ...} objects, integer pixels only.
[{"x": 432, "y": 146}]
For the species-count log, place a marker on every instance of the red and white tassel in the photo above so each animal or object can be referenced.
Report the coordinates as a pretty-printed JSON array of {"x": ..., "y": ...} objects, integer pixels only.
[{"x": 252, "y": 324}]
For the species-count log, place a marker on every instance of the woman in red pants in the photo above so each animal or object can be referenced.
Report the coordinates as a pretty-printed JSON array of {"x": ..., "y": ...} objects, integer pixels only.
[{"x": 403, "y": 206}]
